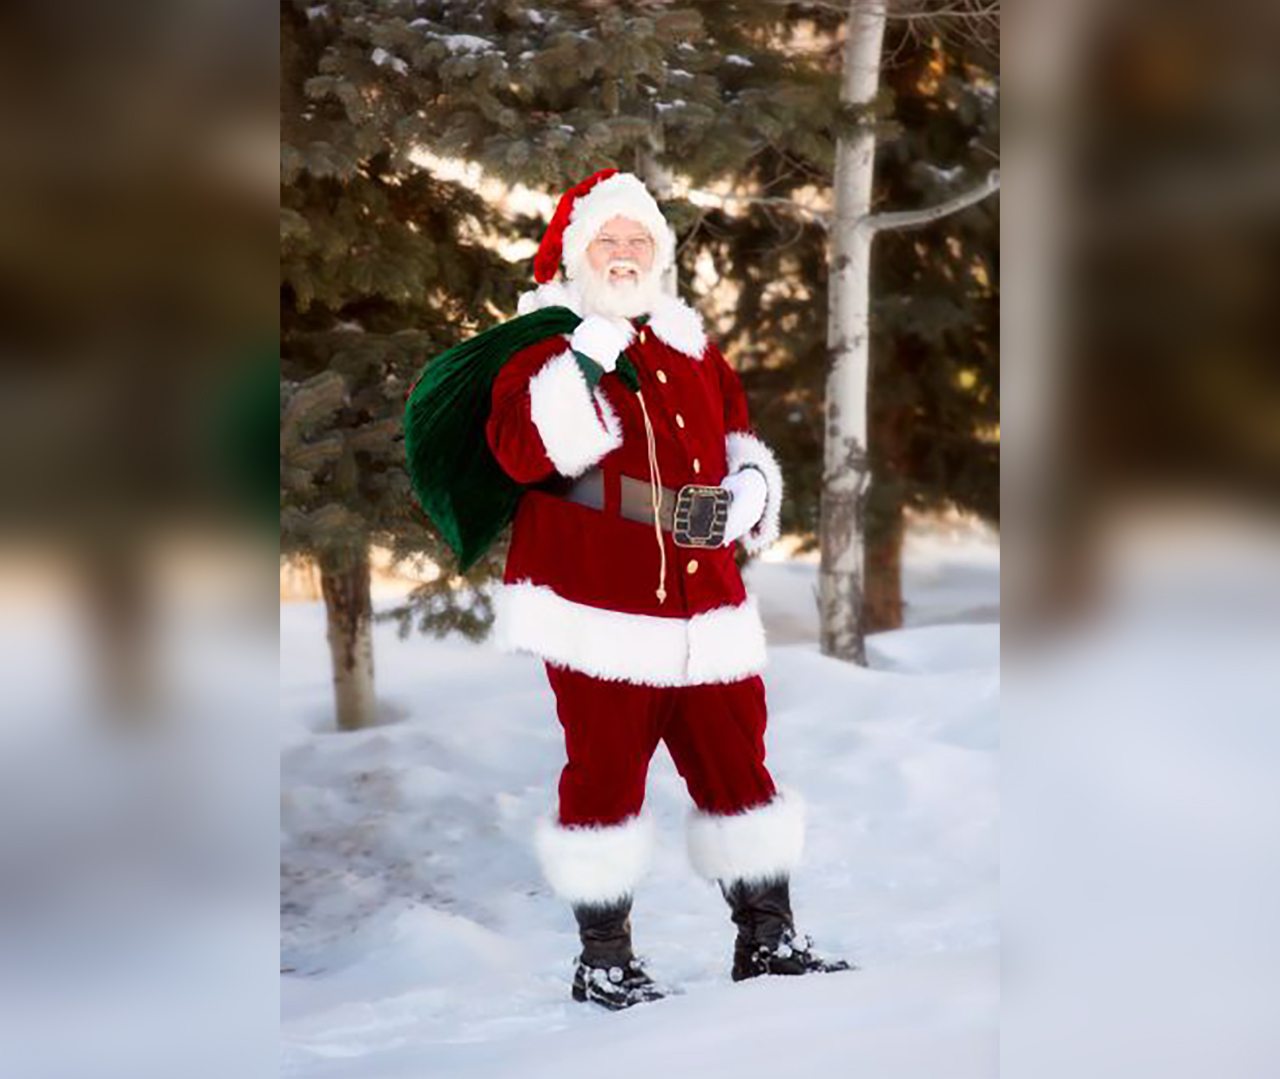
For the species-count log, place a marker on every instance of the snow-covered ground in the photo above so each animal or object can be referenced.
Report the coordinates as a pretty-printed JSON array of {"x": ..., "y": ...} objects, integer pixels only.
[{"x": 419, "y": 939}]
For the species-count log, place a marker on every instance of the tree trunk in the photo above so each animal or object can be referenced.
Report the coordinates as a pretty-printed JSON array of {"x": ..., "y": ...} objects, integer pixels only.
[
  {"x": 120, "y": 611},
  {"x": 846, "y": 471},
  {"x": 1050, "y": 569},
  {"x": 884, "y": 569},
  {"x": 889, "y": 424},
  {"x": 344, "y": 582}
]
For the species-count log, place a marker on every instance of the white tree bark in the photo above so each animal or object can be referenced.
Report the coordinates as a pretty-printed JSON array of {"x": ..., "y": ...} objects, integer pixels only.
[
  {"x": 914, "y": 219},
  {"x": 344, "y": 581},
  {"x": 846, "y": 473}
]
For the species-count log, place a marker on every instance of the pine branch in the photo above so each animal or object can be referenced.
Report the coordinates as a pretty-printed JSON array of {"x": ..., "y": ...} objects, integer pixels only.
[
  {"x": 974, "y": 20},
  {"x": 912, "y": 219},
  {"x": 971, "y": 10},
  {"x": 320, "y": 396},
  {"x": 986, "y": 11}
]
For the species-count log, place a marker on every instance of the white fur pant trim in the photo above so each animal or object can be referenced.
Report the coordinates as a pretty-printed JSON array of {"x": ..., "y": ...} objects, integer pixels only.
[
  {"x": 594, "y": 863},
  {"x": 760, "y": 843},
  {"x": 724, "y": 644}
]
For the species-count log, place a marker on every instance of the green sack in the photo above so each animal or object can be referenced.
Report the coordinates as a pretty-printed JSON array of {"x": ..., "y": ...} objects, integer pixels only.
[{"x": 459, "y": 484}]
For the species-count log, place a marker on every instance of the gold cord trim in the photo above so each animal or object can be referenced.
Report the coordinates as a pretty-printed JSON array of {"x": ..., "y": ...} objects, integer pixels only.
[{"x": 655, "y": 484}]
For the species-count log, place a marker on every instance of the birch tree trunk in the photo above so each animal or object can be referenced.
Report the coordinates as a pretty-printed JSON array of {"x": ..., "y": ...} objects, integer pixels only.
[
  {"x": 344, "y": 582},
  {"x": 846, "y": 470}
]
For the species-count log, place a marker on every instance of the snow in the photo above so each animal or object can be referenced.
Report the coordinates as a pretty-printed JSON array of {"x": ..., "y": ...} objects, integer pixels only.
[
  {"x": 134, "y": 936},
  {"x": 420, "y": 940},
  {"x": 740, "y": 61},
  {"x": 138, "y": 919},
  {"x": 941, "y": 174},
  {"x": 381, "y": 57},
  {"x": 1142, "y": 856},
  {"x": 466, "y": 43}
]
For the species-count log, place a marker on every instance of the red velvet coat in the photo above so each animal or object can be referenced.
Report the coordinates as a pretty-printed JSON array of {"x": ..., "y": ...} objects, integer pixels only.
[{"x": 580, "y": 583}]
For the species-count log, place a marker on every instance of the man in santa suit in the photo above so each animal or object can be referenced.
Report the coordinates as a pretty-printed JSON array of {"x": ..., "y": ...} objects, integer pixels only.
[{"x": 643, "y": 473}]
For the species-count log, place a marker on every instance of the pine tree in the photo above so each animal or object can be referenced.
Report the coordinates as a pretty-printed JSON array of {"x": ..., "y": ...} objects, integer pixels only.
[
  {"x": 383, "y": 264},
  {"x": 386, "y": 261},
  {"x": 935, "y": 390}
]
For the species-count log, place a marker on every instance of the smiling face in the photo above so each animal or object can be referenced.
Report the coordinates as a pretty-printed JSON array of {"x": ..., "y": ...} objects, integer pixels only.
[
  {"x": 620, "y": 278},
  {"x": 622, "y": 251}
]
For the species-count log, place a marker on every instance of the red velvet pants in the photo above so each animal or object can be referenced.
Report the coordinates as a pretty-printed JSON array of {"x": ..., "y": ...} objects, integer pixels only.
[{"x": 714, "y": 733}]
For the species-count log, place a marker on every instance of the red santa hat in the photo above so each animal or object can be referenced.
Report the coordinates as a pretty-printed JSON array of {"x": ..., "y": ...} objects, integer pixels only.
[{"x": 585, "y": 207}]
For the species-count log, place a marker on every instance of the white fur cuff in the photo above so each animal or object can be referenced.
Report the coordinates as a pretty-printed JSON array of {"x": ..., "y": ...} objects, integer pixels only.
[
  {"x": 758, "y": 844},
  {"x": 743, "y": 448},
  {"x": 561, "y": 408},
  {"x": 594, "y": 864}
]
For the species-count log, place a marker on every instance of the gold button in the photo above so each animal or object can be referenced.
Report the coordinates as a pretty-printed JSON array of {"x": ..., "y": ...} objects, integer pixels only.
[
  {"x": 697, "y": 465},
  {"x": 644, "y": 336},
  {"x": 662, "y": 376},
  {"x": 692, "y": 567},
  {"x": 679, "y": 420}
]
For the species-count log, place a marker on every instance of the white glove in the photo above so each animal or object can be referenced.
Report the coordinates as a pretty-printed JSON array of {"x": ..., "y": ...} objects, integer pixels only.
[
  {"x": 602, "y": 339},
  {"x": 749, "y": 492}
]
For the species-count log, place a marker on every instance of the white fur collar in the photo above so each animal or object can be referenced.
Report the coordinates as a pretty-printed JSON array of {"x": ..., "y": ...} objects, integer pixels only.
[{"x": 673, "y": 320}]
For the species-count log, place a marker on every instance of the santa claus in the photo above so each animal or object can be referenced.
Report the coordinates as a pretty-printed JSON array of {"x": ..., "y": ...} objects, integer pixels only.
[{"x": 641, "y": 471}]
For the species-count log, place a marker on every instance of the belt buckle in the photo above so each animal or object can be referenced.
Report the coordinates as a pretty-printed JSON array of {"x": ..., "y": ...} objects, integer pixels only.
[{"x": 700, "y": 517}]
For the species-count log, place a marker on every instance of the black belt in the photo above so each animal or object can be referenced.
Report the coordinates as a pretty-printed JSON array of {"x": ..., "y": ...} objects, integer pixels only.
[{"x": 695, "y": 515}]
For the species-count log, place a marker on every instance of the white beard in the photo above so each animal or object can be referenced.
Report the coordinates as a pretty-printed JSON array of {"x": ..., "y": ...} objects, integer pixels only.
[{"x": 623, "y": 299}]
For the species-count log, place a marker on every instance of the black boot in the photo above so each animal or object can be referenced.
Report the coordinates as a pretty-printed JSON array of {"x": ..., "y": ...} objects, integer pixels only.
[
  {"x": 767, "y": 941},
  {"x": 608, "y": 972}
]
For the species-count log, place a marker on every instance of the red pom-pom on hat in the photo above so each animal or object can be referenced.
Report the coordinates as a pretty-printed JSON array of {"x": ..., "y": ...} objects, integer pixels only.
[{"x": 547, "y": 261}]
